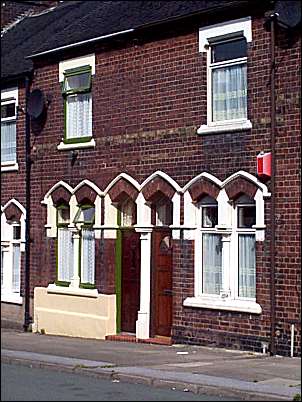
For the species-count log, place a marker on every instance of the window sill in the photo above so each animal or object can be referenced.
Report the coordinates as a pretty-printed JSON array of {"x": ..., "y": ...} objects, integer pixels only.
[
  {"x": 226, "y": 127},
  {"x": 65, "y": 147},
  {"x": 9, "y": 167},
  {"x": 72, "y": 291},
  {"x": 11, "y": 298},
  {"x": 245, "y": 306}
]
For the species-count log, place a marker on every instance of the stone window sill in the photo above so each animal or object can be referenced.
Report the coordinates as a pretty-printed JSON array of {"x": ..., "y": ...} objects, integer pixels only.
[
  {"x": 66, "y": 147},
  {"x": 245, "y": 306},
  {"x": 72, "y": 291},
  {"x": 9, "y": 167},
  {"x": 224, "y": 128},
  {"x": 11, "y": 298}
]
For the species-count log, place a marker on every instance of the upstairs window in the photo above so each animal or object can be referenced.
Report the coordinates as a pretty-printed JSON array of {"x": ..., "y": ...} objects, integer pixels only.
[
  {"x": 226, "y": 49},
  {"x": 76, "y": 89},
  {"x": 8, "y": 127},
  {"x": 228, "y": 80}
]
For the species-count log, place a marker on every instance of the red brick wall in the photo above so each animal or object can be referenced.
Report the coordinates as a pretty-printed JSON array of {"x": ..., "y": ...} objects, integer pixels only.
[{"x": 148, "y": 100}]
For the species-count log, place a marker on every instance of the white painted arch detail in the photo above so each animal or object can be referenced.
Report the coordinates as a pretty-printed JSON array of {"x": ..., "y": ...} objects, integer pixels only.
[
  {"x": 17, "y": 203},
  {"x": 125, "y": 176},
  {"x": 164, "y": 176},
  {"x": 89, "y": 184},
  {"x": 53, "y": 188}
]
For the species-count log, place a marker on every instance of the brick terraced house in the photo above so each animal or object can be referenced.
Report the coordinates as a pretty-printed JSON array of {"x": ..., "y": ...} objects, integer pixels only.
[{"x": 150, "y": 171}]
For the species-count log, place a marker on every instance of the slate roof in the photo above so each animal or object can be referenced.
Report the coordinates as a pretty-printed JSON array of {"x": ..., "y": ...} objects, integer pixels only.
[{"x": 75, "y": 21}]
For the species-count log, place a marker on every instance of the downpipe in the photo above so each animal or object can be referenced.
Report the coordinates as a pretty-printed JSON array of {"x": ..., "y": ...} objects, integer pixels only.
[{"x": 27, "y": 317}]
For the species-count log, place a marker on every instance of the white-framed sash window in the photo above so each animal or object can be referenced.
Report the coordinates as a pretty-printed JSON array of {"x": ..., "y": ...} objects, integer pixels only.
[
  {"x": 9, "y": 103},
  {"x": 225, "y": 256},
  {"x": 245, "y": 247},
  {"x": 210, "y": 248},
  {"x": 84, "y": 219},
  {"x": 12, "y": 245},
  {"x": 226, "y": 48},
  {"x": 228, "y": 82},
  {"x": 64, "y": 247}
]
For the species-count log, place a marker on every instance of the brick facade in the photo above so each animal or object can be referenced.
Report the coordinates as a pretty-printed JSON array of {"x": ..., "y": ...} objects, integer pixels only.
[{"x": 149, "y": 98}]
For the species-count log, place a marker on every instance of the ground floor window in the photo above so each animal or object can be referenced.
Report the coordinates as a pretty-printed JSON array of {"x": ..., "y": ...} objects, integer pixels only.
[
  {"x": 12, "y": 248},
  {"x": 225, "y": 259},
  {"x": 84, "y": 220}
]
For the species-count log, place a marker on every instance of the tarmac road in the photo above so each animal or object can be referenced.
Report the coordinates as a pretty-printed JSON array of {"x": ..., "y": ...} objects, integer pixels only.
[{"x": 21, "y": 383}]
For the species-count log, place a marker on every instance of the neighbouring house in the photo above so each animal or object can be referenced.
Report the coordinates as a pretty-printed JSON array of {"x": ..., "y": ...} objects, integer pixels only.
[{"x": 150, "y": 172}]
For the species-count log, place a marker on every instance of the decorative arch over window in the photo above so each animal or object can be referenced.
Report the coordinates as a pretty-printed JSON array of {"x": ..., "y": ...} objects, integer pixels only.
[
  {"x": 13, "y": 216},
  {"x": 13, "y": 212},
  {"x": 61, "y": 196},
  {"x": 203, "y": 187},
  {"x": 85, "y": 194},
  {"x": 156, "y": 188},
  {"x": 238, "y": 186},
  {"x": 121, "y": 190},
  {"x": 73, "y": 216}
]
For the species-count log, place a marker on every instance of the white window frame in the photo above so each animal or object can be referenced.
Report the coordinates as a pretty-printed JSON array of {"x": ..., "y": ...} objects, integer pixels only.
[
  {"x": 9, "y": 96},
  {"x": 63, "y": 226},
  {"x": 83, "y": 262},
  {"x": 220, "y": 33},
  {"x": 229, "y": 295},
  {"x": 199, "y": 251},
  {"x": 234, "y": 260},
  {"x": 8, "y": 294},
  {"x": 82, "y": 225}
]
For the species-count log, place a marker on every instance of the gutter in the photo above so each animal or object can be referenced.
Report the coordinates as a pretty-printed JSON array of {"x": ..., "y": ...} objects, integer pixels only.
[{"x": 79, "y": 43}]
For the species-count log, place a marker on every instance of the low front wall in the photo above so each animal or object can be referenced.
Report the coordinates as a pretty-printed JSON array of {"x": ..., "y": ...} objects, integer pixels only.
[
  {"x": 12, "y": 315},
  {"x": 74, "y": 315}
]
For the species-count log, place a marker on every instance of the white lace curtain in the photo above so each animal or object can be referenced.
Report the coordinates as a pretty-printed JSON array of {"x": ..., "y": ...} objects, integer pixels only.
[
  {"x": 65, "y": 255},
  {"x": 79, "y": 115},
  {"x": 229, "y": 92},
  {"x": 16, "y": 268},
  {"x": 88, "y": 256},
  {"x": 8, "y": 141},
  {"x": 212, "y": 263},
  {"x": 247, "y": 265}
]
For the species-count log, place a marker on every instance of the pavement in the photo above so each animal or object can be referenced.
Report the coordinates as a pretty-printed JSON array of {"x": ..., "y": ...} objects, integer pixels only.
[{"x": 211, "y": 371}]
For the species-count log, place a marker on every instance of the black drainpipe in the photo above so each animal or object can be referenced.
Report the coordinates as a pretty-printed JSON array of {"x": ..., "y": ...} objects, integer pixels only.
[
  {"x": 27, "y": 317},
  {"x": 273, "y": 18}
]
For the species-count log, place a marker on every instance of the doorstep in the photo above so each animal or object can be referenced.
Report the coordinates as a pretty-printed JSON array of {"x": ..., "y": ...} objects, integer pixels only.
[{"x": 158, "y": 340}]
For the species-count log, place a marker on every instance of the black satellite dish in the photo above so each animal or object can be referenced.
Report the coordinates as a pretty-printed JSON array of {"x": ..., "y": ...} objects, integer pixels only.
[
  {"x": 36, "y": 104},
  {"x": 289, "y": 13}
]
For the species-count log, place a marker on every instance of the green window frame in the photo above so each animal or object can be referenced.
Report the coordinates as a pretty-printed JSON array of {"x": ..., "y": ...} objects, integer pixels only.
[
  {"x": 61, "y": 224},
  {"x": 83, "y": 87},
  {"x": 86, "y": 223}
]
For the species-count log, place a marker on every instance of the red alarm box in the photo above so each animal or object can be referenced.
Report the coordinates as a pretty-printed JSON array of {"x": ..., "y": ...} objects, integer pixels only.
[{"x": 264, "y": 164}]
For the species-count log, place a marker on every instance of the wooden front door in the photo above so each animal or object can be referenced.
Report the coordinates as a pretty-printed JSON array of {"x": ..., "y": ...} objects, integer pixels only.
[
  {"x": 162, "y": 280},
  {"x": 130, "y": 298}
]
